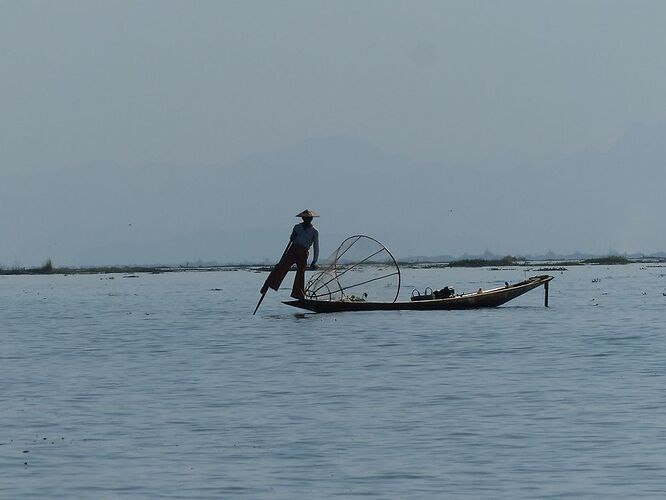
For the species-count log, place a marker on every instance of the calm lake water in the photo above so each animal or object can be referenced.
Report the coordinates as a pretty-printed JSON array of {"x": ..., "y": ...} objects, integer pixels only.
[{"x": 166, "y": 386}]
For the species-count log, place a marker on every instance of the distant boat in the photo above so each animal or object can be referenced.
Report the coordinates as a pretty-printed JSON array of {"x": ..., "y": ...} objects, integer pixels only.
[{"x": 361, "y": 262}]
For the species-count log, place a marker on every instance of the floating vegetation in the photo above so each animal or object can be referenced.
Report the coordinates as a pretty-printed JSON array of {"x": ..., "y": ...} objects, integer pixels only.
[
  {"x": 46, "y": 268},
  {"x": 504, "y": 261},
  {"x": 609, "y": 260}
]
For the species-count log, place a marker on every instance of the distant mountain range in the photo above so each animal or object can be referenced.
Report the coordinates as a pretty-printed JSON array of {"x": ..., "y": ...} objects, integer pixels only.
[
  {"x": 577, "y": 205},
  {"x": 549, "y": 256},
  {"x": 487, "y": 255}
]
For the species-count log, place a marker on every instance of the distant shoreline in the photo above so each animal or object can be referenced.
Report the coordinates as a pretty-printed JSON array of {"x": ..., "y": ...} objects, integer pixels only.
[
  {"x": 545, "y": 265},
  {"x": 40, "y": 271}
]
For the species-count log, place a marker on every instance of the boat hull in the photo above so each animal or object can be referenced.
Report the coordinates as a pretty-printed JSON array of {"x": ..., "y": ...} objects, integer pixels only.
[{"x": 489, "y": 298}]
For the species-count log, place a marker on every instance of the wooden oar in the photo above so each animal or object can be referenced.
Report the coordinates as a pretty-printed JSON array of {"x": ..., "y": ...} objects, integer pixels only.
[
  {"x": 259, "y": 303},
  {"x": 264, "y": 294}
]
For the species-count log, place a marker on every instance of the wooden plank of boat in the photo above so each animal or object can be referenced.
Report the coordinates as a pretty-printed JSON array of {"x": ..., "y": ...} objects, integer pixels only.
[{"x": 488, "y": 298}]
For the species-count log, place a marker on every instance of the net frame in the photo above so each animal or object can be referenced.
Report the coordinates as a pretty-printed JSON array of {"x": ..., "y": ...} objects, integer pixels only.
[{"x": 318, "y": 286}]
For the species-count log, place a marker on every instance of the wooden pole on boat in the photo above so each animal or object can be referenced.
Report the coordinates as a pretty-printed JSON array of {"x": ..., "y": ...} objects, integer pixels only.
[
  {"x": 545, "y": 294},
  {"x": 265, "y": 282}
]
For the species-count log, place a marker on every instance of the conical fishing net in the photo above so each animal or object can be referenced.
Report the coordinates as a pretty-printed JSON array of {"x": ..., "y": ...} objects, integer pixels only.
[{"x": 360, "y": 269}]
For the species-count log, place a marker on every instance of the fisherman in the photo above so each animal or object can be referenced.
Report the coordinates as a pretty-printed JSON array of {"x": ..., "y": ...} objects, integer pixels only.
[{"x": 303, "y": 236}]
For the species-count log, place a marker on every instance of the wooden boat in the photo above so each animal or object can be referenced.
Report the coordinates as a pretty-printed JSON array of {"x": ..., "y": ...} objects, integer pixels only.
[
  {"x": 482, "y": 298},
  {"x": 363, "y": 263}
]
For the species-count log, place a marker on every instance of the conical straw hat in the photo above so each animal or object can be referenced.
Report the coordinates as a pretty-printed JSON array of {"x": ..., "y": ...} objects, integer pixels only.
[{"x": 308, "y": 213}]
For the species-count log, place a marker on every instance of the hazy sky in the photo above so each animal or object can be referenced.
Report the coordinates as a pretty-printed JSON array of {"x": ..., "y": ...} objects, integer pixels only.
[{"x": 166, "y": 86}]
